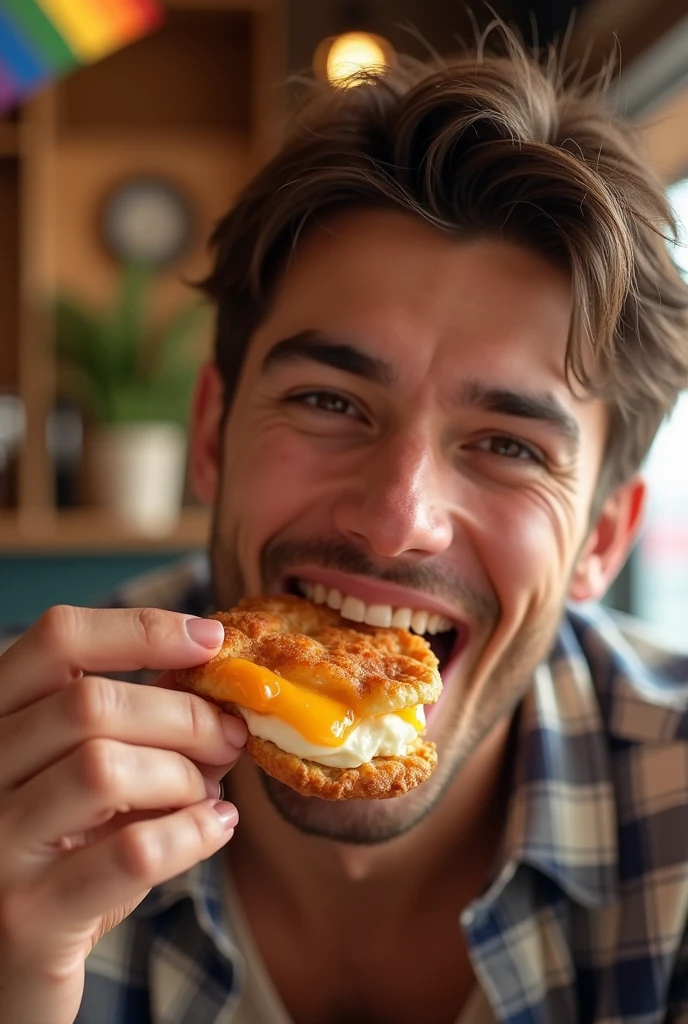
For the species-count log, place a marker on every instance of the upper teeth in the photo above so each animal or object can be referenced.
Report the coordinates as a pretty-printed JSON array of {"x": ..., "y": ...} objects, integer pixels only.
[{"x": 353, "y": 608}]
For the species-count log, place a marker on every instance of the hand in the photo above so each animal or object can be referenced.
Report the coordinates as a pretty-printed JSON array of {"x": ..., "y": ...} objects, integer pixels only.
[{"x": 101, "y": 794}]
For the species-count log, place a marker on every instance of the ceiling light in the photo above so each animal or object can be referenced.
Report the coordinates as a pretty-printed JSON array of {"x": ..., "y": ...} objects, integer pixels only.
[{"x": 342, "y": 58}]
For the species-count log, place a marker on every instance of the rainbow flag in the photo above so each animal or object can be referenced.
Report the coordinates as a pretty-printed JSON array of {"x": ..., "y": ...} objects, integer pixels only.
[{"x": 43, "y": 39}]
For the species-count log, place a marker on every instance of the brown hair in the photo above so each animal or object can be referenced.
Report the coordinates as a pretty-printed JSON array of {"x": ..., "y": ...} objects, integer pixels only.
[{"x": 484, "y": 145}]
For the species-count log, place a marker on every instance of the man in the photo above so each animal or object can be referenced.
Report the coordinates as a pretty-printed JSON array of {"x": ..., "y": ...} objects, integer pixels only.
[{"x": 448, "y": 330}]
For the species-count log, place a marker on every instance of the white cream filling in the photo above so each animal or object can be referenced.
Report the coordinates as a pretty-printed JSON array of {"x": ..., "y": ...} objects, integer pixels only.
[{"x": 380, "y": 736}]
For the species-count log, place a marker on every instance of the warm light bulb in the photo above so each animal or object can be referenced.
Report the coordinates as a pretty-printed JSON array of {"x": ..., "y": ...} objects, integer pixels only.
[{"x": 352, "y": 53}]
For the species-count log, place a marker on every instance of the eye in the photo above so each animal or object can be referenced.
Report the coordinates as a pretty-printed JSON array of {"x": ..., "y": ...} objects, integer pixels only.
[
  {"x": 326, "y": 401},
  {"x": 509, "y": 448}
]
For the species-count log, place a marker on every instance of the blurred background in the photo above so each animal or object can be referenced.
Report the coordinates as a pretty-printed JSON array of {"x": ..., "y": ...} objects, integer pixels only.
[{"x": 126, "y": 127}]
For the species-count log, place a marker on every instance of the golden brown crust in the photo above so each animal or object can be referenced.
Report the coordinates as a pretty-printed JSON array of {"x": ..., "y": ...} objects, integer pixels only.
[
  {"x": 374, "y": 670},
  {"x": 379, "y": 779}
]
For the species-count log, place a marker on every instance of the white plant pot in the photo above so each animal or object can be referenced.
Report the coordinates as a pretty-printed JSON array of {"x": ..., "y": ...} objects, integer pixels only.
[{"x": 137, "y": 472}]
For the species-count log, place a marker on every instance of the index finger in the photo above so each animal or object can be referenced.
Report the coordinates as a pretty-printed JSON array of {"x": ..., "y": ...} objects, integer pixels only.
[{"x": 67, "y": 641}]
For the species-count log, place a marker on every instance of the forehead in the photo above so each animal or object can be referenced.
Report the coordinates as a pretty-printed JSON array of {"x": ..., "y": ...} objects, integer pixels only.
[{"x": 390, "y": 281}]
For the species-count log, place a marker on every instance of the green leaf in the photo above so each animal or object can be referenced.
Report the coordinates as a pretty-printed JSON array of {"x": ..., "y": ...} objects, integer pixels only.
[
  {"x": 141, "y": 404},
  {"x": 130, "y": 405},
  {"x": 173, "y": 391},
  {"x": 124, "y": 326},
  {"x": 172, "y": 346},
  {"x": 120, "y": 367},
  {"x": 77, "y": 339}
]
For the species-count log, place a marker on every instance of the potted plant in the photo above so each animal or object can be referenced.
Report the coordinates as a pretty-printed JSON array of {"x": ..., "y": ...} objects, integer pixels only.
[{"x": 133, "y": 378}]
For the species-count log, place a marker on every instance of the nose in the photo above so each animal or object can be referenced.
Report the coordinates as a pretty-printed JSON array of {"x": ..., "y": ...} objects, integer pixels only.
[{"x": 396, "y": 504}]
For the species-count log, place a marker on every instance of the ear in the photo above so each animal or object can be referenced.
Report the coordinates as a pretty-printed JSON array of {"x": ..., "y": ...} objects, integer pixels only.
[
  {"x": 205, "y": 448},
  {"x": 609, "y": 542}
]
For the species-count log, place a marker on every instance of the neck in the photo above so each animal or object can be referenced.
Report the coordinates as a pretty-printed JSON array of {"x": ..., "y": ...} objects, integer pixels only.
[{"x": 315, "y": 876}]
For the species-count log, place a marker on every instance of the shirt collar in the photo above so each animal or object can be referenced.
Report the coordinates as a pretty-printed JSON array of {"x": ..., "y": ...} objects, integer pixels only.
[{"x": 642, "y": 684}]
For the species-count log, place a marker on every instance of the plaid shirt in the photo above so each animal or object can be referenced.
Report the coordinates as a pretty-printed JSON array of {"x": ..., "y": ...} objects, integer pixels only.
[{"x": 586, "y": 919}]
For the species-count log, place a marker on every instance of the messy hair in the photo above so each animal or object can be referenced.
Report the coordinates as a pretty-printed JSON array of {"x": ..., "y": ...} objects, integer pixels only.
[{"x": 484, "y": 145}]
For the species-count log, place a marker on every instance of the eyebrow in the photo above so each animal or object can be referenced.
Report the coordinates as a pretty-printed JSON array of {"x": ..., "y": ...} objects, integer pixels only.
[
  {"x": 321, "y": 348},
  {"x": 544, "y": 407}
]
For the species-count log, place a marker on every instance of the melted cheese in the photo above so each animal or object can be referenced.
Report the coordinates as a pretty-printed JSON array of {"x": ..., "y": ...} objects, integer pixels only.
[
  {"x": 415, "y": 716},
  {"x": 322, "y": 721}
]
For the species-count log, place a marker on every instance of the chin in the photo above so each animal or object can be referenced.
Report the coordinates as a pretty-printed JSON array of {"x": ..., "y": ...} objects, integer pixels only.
[
  {"x": 369, "y": 822},
  {"x": 358, "y": 822}
]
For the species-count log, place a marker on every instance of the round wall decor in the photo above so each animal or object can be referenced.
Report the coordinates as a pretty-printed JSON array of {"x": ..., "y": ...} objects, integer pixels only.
[{"x": 147, "y": 220}]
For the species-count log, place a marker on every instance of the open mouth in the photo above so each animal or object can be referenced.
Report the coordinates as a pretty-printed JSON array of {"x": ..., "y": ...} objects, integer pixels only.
[{"x": 444, "y": 636}]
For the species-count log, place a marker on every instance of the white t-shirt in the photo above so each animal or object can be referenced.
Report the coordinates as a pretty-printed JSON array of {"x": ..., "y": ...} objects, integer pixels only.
[{"x": 260, "y": 1003}]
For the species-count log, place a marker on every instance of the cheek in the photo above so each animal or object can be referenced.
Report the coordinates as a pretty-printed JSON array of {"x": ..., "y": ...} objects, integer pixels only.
[
  {"x": 526, "y": 545},
  {"x": 271, "y": 478}
]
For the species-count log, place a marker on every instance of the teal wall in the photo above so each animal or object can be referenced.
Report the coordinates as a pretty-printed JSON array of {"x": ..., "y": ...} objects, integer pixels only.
[{"x": 30, "y": 584}]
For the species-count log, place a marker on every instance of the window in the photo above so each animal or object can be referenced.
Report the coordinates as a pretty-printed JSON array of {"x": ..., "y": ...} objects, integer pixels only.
[{"x": 659, "y": 571}]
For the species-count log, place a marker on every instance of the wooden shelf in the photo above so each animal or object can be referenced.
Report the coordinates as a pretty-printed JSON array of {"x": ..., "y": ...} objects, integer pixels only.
[
  {"x": 9, "y": 269},
  {"x": 196, "y": 72},
  {"x": 136, "y": 135},
  {"x": 196, "y": 101},
  {"x": 10, "y": 139},
  {"x": 92, "y": 531}
]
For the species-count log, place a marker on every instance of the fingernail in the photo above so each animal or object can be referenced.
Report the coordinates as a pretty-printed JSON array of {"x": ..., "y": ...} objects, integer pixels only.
[
  {"x": 208, "y": 633},
  {"x": 212, "y": 787},
  {"x": 227, "y": 813},
  {"x": 235, "y": 730}
]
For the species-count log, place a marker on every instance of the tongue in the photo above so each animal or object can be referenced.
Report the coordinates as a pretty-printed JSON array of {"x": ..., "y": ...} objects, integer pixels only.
[{"x": 442, "y": 645}]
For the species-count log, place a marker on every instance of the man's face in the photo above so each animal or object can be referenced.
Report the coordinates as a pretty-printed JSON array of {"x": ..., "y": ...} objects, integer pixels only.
[{"x": 403, "y": 433}]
